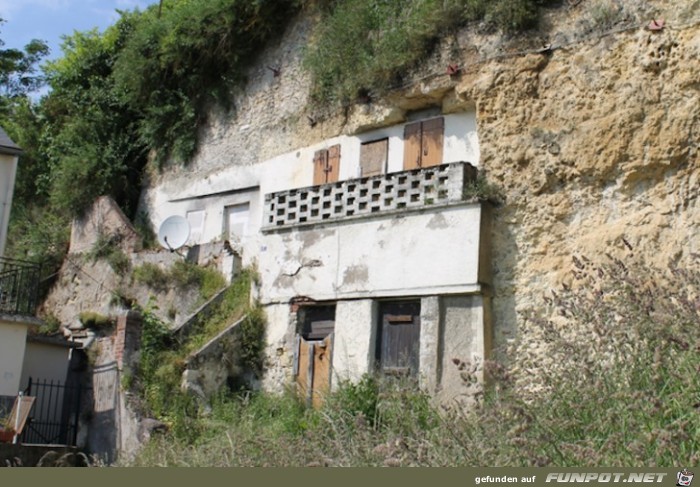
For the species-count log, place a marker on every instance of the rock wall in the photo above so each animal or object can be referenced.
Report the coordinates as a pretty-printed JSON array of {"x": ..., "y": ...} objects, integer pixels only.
[
  {"x": 89, "y": 283},
  {"x": 589, "y": 127},
  {"x": 590, "y": 145}
]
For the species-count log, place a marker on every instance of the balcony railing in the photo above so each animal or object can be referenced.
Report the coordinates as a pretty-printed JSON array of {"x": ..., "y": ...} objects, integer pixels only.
[
  {"x": 353, "y": 198},
  {"x": 19, "y": 287}
]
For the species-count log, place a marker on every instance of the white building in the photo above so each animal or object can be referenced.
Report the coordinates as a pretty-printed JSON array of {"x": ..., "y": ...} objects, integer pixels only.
[
  {"x": 370, "y": 256},
  {"x": 9, "y": 154},
  {"x": 18, "y": 285}
]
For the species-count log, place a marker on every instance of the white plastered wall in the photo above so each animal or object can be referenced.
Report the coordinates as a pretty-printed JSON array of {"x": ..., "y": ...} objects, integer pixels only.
[
  {"x": 12, "y": 344},
  {"x": 420, "y": 253}
]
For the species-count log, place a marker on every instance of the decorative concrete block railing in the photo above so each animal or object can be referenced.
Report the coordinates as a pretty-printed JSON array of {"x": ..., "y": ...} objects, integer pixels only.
[{"x": 353, "y": 198}]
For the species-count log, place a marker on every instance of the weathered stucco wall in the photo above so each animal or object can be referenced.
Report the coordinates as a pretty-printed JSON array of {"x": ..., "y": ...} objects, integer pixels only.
[
  {"x": 354, "y": 339},
  {"x": 415, "y": 254}
]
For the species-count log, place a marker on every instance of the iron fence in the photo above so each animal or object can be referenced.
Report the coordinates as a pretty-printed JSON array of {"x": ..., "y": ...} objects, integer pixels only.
[
  {"x": 54, "y": 417},
  {"x": 19, "y": 286}
]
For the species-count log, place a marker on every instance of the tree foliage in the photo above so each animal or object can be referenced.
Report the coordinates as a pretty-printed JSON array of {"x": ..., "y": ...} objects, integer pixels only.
[{"x": 18, "y": 68}]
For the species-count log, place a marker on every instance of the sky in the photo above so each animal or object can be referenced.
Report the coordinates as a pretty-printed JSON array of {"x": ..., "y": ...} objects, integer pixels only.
[{"x": 48, "y": 20}]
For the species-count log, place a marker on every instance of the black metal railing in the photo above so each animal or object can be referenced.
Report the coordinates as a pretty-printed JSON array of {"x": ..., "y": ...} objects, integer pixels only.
[
  {"x": 19, "y": 286},
  {"x": 54, "y": 417}
]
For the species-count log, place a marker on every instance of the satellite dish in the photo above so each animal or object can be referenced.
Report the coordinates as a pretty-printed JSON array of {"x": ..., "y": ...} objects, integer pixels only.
[{"x": 174, "y": 232}]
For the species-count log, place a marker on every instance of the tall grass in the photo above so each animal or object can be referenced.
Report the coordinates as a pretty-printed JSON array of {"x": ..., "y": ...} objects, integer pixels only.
[{"x": 614, "y": 382}]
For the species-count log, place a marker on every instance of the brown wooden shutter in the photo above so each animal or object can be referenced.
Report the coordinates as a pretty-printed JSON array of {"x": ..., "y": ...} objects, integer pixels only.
[
  {"x": 432, "y": 141},
  {"x": 373, "y": 157},
  {"x": 333, "y": 164},
  {"x": 320, "y": 162},
  {"x": 412, "y": 146}
]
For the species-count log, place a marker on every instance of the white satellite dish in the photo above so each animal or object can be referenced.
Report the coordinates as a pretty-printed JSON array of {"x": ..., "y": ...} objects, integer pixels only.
[{"x": 174, "y": 232}]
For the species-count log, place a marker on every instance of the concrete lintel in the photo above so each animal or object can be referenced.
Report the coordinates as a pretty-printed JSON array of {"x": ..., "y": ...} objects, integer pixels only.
[{"x": 463, "y": 289}]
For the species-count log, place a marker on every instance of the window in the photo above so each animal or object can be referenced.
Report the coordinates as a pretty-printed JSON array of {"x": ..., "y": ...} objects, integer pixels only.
[
  {"x": 236, "y": 221},
  {"x": 316, "y": 322},
  {"x": 196, "y": 220},
  {"x": 423, "y": 143},
  {"x": 398, "y": 338},
  {"x": 373, "y": 157},
  {"x": 326, "y": 165}
]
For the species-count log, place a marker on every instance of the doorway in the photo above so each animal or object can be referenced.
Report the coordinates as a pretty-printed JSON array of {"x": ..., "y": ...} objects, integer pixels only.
[
  {"x": 398, "y": 339},
  {"x": 314, "y": 352}
]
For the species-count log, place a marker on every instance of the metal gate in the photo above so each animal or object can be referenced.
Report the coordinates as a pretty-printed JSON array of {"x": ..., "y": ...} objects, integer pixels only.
[{"x": 54, "y": 418}]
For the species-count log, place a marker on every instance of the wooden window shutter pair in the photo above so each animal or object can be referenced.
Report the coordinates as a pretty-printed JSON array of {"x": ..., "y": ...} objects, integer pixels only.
[
  {"x": 423, "y": 143},
  {"x": 326, "y": 165}
]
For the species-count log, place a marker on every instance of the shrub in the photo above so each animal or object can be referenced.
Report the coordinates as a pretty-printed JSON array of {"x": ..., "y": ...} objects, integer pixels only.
[
  {"x": 480, "y": 189},
  {"x": 157, "y": 380},
  {"x": 252, "y": 340},
  {"x": 366, "y": 47},
  {"x": 174, "y": 65},
  {"x": 92, "y": 319},
  {"x": 107, "y": 248},
  {"x": 182, "y": 275},
  {"x": 185, "y": 274},
  {"x": 51, "y": 325},
  {"x": 152, "y": 276}
]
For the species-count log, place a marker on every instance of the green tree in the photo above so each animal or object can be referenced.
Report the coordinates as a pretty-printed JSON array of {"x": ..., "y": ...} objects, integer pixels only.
[{"x": 19, "y": 72}]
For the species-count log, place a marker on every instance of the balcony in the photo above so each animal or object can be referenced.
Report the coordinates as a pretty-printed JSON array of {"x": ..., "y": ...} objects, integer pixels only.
[
  {"x": 19, "y": 287},
  {"x": 356, "y": 198}
]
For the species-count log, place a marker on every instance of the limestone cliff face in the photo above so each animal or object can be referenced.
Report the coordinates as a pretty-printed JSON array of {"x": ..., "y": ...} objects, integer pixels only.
[
  {"x": 591, "y": 140},
  {"x": 590, "y": 144}
]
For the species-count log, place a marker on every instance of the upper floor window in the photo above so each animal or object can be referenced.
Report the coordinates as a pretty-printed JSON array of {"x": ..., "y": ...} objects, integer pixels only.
[
  {"x": 373, "y": 157},
  {"x": 327, "y": 165},
  {"x": 423, "y": 143}
]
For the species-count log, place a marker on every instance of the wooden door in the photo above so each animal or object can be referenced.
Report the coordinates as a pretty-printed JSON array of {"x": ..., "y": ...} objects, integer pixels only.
[
  {"x": 398, "y": 343},
  {"x": 313, "y": 370},
  {"x": 314, "y": 352}
]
